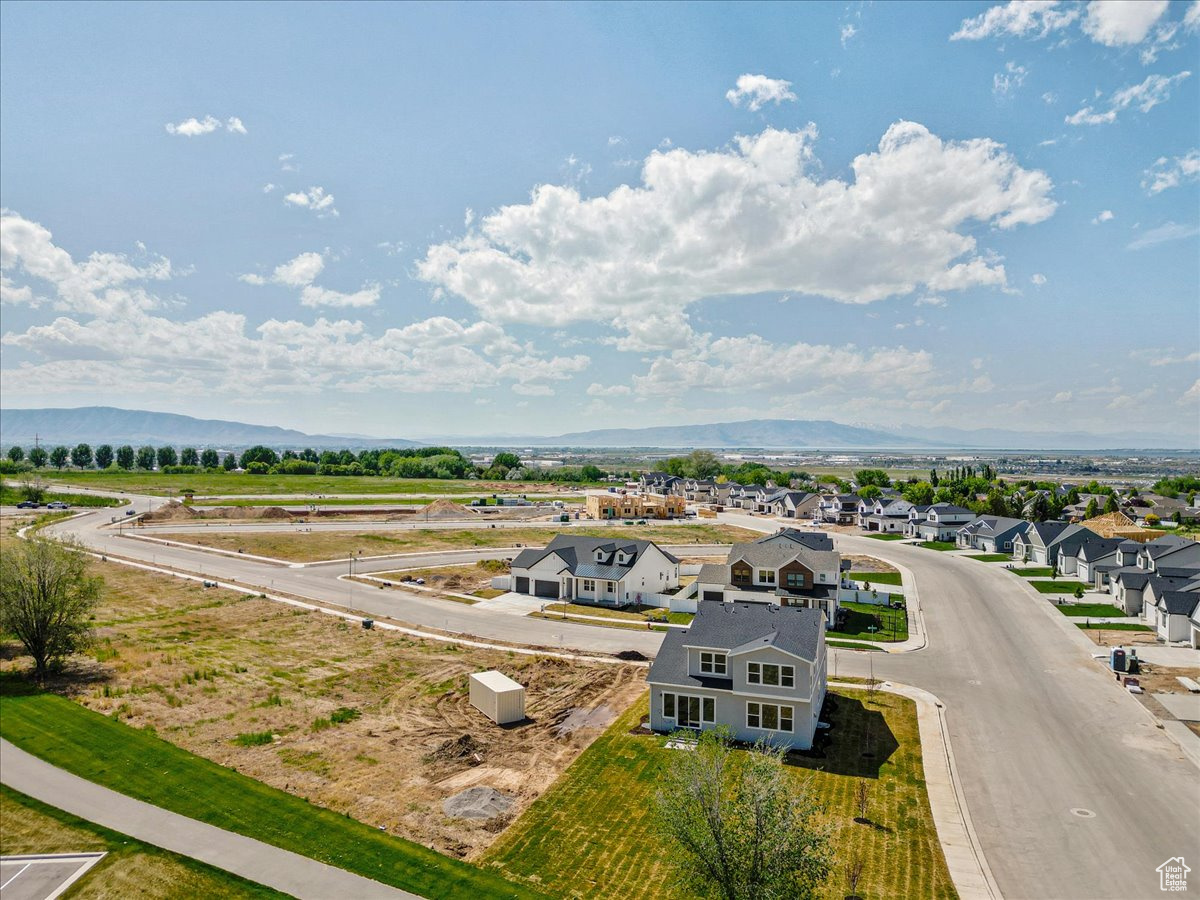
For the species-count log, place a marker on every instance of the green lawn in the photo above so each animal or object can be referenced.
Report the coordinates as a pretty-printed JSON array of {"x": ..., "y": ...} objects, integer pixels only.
[
  {"x": 886, "y": 537},
  {"x": 877, "y": 577},
  {"x": 233, "y": 483},
  {"x": 852, "y": 645},
  {"x": 11, "y": 494},
  {"x": 1058, "y": 587},
  {"x": 1094, "y": 610},
  {"x": 1034, "y": 572},
  {"x": 593, "y": 833},
  {"x": 130, "y": 868},
  {"x": 1113, "y": 626},
  {"x": 989, "y": 557},
  {"x": 939, "y": 545},
  {"x": 141, "y": 765},
  {"x": 862, "y": 615}
]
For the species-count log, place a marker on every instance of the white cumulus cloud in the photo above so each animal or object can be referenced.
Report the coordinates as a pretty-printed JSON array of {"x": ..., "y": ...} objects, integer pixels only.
[
  {"x": 1119, "y": 23},
  {"x": 302, "y": 270},
  {"x": 756, "y": 91},
  {"x": 742, "y": 220},
  {"x": 1156, "y": 89},
  {"x": 315, "y": 198},
  {"x": 1167, "y": 173},
  {"x": 194, "y": 127},
  {"x": 1105, "y": 215},
  {"x": 1020, "y": 18},
  {"x": 1008, "y": 81}
]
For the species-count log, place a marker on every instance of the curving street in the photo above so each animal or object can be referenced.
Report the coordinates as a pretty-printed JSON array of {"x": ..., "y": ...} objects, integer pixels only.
[{"x": 1073, "y": 790}]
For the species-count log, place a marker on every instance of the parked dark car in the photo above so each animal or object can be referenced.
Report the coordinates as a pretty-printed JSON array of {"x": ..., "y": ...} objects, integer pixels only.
[{"x": 27, "y": 504}]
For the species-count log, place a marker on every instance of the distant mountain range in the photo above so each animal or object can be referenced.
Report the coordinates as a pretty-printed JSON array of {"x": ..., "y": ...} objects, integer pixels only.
[
  {"x": 109, "y": 425},
  {"x": 104, "y": 424}
]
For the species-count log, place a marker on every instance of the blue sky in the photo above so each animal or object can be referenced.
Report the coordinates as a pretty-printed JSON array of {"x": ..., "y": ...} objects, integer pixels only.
[{"x": 407, "y": 219}]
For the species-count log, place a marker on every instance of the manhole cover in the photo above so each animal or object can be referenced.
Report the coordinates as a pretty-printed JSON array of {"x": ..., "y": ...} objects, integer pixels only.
[{"x": 1083, "y": 813}]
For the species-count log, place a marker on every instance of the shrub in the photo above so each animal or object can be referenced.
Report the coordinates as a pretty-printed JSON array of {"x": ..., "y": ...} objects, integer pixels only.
[
  {"x": 253, "y": 738},
  {"x": 344, "y": 714}
]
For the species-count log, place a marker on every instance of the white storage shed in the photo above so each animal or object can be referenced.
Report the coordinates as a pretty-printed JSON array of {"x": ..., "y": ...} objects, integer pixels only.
[{"x": 498, "y": 697}]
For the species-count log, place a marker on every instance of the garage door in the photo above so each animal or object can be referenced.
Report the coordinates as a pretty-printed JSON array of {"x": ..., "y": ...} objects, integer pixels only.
[
  {"x": 546, "y": 589},
  {"x": 714, "y": 595},
  {"x": 522, "y": 585}
]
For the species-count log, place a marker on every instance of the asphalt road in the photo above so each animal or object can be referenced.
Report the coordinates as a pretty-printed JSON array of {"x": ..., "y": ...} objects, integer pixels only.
[{"x": 1073, "y": 791}]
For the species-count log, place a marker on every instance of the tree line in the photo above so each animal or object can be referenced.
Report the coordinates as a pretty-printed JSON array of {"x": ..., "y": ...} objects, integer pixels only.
[{"x": 414, "y": 462}]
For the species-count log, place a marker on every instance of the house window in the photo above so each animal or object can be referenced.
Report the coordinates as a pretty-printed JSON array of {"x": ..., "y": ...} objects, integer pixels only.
[
  {"x": 795, "y": 580},
  {"x": 688, "y": 711},
  {"x": 769, "y": 717},
  {"x": 771, "y": 675},
  {"x": 741, "y": 576},
  {"x": 589, "y": 584},
  {"x": 713, "y": 663},
  {"x": 766, "y": 576}
]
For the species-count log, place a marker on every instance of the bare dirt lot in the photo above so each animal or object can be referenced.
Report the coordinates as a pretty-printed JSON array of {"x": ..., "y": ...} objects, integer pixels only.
[
  {"x": 370, "y": 723},
  {"x": 314, "y": 546},
  {"x": 861, "y": 563}
]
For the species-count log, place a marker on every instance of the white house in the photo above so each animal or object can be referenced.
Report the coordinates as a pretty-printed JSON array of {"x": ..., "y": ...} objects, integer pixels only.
[
  {"x": 937, "y": 522},
  {"x": 758, "y": 669},
  {"x": 605, "y": 571},
  {"x": 777, "y": 571}
]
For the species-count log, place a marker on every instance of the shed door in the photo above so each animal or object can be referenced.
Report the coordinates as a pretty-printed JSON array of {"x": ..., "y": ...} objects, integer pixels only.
[
  {"x": 546, "y": 589},
  {"x": 522, "y": 584}
]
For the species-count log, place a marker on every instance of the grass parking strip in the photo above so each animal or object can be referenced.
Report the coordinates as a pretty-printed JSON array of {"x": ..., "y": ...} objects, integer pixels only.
[
  {"x": 140, "y": 765},
  {"x": 1092, "y": 610},
  {"x": 989, "y": 557},
  {"x": 130, "y": 868},
  {"x": 1059, "y": 587}
]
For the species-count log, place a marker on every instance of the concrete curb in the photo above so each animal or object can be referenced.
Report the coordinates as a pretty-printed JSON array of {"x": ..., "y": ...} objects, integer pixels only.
[{"x": 965, "y": 859}]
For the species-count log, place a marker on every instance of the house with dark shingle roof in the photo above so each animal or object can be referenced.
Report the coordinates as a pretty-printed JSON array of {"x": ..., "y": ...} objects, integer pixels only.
[
  {"x": 604, "y": 571},
  {"x": 758, "y": 669},
  {"x": 937, "y": 521},
  {"x": 775, "y": 570},
  {"x": 990, "y": 534}
]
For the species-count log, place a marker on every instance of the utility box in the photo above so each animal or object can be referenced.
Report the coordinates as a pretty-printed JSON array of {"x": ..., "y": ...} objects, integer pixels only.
[{"x": 498, "y": 697}]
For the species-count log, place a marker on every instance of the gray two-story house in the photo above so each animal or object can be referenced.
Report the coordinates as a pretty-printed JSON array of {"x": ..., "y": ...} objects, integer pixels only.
[{"x": 756, "y": 668}]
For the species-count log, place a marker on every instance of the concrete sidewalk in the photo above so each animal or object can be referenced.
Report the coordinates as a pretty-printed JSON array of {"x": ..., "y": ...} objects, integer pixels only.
[{"x": 263, "y": 863}]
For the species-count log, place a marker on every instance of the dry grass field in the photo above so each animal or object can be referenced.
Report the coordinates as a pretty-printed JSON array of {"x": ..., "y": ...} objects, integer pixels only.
[
  {"x": 314, "y": 546},
  {"x": 352, "y": 720}
]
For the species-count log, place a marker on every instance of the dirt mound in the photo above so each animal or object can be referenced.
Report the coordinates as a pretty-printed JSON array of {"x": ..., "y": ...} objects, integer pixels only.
[
  {"x": 631, "y": 656},
  {"x": 445, "y": 509},
  {"x": 463, "y": 747},
  {"x": 275, "y": 512},
  {"x": 174, "y": 511},
  {"x": 478, "y": 802}
]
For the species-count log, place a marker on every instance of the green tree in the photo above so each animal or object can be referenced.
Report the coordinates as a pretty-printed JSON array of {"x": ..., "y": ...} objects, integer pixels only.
[
  {"x": 870, "y": 492},
  {"x": 15, "y": 453},
  {"x": 919, "y": 493},
  {"x": 46, "y": 599},
  {"x": 104, "y": 456},
  {"x": 126, "y": 458},
  {"x": 145, "y": 457},
  {"x": 505, "y": 460},
  {"x": 591, "y": 473},
  {"x": 266, "y": 456},
  {"x": 933, "y": 477},
  {"x": 37, "y": 457},
  {"x": 740, "y": 828},
  {"x": 876, "y": 477},
  {"x": 166, "y": 456},
  {"x": 229, "y": 463},
  {"x": 81, "y": 456},
  {"x": 209, "y": 459},
  {"x": 59, "y": 456},
  {"x": 1037, "y": 509},
  {"x": 189, "y": 457},
  {"x": 703, "y": 464},
  {"x": 1110, "y": 505},
  {"x": 1089, "y": 511}
]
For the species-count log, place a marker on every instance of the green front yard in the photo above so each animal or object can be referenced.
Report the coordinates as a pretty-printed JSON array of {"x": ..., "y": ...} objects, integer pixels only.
[
  {"x": 877, "y": 577},
  {"x": 890, "y": 624},
  {"x": 1113, "y": 626},
  {"x": 1034, "y": 572},
  {"x": 139, "y": 764},
  {"x": 886, "y": 537},
  {"x": 593, "y": 833},
  {"x": 989, "y": 557},
  {"x": 1058, "y": 587},
  {"x": 1094, "y": 610},
  {"x": 939, "y": 545}
]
